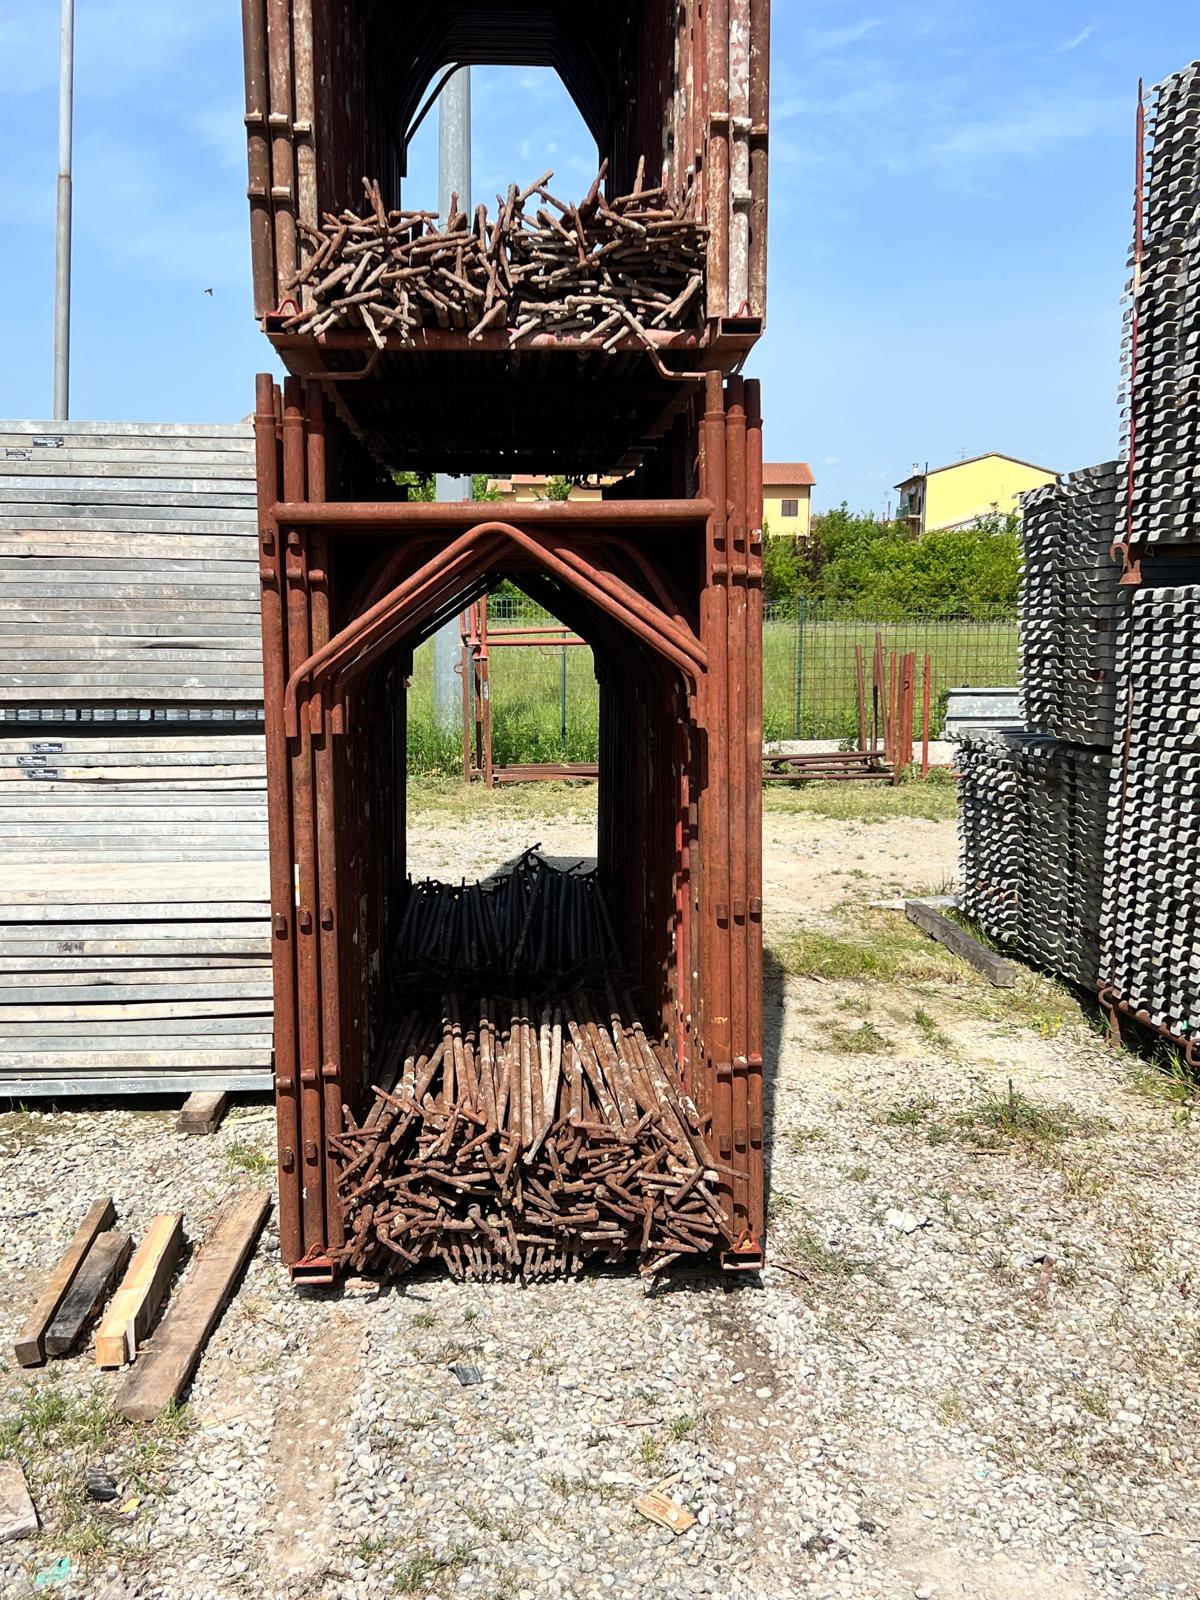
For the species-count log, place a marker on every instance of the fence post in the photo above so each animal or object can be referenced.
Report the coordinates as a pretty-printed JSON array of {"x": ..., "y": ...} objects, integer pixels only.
[{"x": 797, "y": 732}]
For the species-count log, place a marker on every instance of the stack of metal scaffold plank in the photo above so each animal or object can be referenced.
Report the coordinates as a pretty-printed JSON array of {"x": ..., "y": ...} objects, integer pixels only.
[
  {"x": 1110, "y": 649},
  {"x": 134, "y": 932},
  {"x": 1162, "y": 327},
  {"x": 1151, "y": 915},
  {"x": 1033, "y": 804},
  {"x": 1033, "y": 817},
  {"x": 1071, "y": 608}
]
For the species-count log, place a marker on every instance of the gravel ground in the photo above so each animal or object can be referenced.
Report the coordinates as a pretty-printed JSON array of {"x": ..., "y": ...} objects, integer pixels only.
[{"x": 973, "y": 1368}]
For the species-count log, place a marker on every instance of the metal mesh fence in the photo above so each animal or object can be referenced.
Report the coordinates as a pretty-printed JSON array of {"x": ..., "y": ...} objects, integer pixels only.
[
  {"x": 544, "y": 699},
  {"x": 809, "y": 662}
]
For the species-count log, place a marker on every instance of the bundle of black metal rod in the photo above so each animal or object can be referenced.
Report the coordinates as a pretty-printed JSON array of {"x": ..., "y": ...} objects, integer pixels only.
[
  {"x": 513, "y": 1140},
  {"x": 536, "y": 923}
]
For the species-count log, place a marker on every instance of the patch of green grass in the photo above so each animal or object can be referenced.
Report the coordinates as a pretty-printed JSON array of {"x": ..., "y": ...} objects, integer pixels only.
[
  {"x": 425, "y": 1319},
  {"x": 651, "y": 1452},
  {"x": 685, "y": 1426},
  {"x": 799, "y": 1139},
  {"x": 858, "y": 1174},
  {"x": 241, "y": 1156},
  {"x": 506, "y": 1530},
  {"x": 1016, "y": 1119},
  {"x": 911, "y": 1112},
  {"x": 1170, "y": 1081},
  {"x": 432, "y": 798},
  {"x": 950, "y": 1408},
  {"x": 417, "y": 1573},
  {"x": 927, "y": 1027},
  {"x": 56, "y": 1434},
  {"x": 45, "y": 1417},
  {"x": 865, "y": 1040},
  {"x": 869, "y": 947},
  {"x": 929, "y": 801},
  {"x": 1094, "y": 1401},
  {"x": 804, "y": 1250}
]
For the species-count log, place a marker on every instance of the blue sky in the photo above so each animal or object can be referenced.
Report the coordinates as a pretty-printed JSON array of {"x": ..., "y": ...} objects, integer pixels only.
[{"x": 950, "y": 216}]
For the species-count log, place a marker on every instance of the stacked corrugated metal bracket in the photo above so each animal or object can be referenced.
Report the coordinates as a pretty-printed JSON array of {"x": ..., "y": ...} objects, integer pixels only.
[
  {"x": 1071, "y": 608},
  {"x": 1033, "y": 818},
  {"x": 1162, "y": 329},
  {"x": 1151, "y": 907},
  {"x": 134, "y": 935},
  {"x": 1081, "y": 837}
]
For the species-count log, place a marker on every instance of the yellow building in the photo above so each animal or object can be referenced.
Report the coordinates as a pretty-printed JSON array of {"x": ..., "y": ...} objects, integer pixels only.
[
  {"x": 957, "y": 495},
  {"x": 526, "y": 488},
  {"x": 787, "y": 498}
]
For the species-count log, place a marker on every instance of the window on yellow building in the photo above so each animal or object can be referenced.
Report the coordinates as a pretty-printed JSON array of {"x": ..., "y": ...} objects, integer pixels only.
[{"x": 791, "y": 508}]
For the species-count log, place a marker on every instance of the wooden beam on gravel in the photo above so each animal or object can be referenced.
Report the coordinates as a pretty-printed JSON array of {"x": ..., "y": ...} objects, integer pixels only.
[
  {"x": 91, "y": 1288},
  {"x": 202, "y": 1112},
  {"x": 999, "y": 972},
  {"x": 167, "y": 1364},
  {"x": 30, "y": 1347},
  {"x": 128, "y": 1319}
]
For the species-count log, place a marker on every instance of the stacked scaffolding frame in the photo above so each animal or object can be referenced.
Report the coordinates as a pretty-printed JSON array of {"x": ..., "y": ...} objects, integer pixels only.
[{"x": 663, "y": 578}]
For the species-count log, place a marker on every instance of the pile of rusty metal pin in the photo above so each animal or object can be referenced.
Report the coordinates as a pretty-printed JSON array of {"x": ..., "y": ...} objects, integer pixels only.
[
  {"x": 510, "y": 1139},
  {"x": 601, "y": 269}
]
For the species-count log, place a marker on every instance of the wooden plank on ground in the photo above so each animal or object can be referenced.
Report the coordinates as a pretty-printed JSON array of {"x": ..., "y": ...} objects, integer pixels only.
[
  {"x": 93, "y": 1283},
  {"x": 18, "y": 1517},
  {"x": 131, "y": 1313},
  {"x": 202, "y": 1112},
  {"x": 30, "y": 1348},
  {"x": 1001, "y": 973},
  {"x": 166, "y": 1365}
]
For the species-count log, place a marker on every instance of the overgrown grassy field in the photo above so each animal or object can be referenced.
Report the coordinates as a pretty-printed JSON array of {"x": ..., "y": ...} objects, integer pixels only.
[{"x": 809, "y": 687}]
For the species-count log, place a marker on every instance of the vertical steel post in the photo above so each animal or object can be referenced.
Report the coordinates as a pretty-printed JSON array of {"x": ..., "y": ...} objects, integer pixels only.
[
  {"x": 62, "y": 238},
  {"x": 454, "y": 178}
]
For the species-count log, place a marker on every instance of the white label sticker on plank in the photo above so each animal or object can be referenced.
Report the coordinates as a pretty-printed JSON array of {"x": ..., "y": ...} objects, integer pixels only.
[{"x": 297, "y": 883}]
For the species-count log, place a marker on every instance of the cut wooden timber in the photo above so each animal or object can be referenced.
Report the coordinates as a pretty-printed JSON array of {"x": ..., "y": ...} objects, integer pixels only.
[
  {"x": 129, "y": 1318},
  {"x": 166, "y": 1365},
  {"x": 91, "y": 1288},
  {"x": 1001, "y": 973},
  {"x": 18, "y": 1515},
  {"x": 30, "y": 1348},
  {"x": 202, "y": 1112}
]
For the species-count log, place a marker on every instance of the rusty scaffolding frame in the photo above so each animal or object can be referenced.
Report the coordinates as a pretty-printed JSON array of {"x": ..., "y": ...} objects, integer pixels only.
[{"x": 662, "y": 577}]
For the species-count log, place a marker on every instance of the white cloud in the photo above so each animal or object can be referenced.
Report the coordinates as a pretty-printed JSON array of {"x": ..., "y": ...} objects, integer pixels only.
[
  {"x": 1081, "y": 37},
  {"x": 1024, "y": 130},
  {"x": 839, "y": 38}
]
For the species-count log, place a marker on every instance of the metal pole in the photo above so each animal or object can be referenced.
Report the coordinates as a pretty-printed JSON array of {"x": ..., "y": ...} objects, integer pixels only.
[
  {"x": 62, "y": 243},
  {"x": 454, "y": 178}
]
